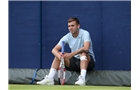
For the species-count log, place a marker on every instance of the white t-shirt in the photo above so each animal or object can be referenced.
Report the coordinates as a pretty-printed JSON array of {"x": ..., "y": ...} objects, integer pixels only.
[{"x": 78, "y": 42}]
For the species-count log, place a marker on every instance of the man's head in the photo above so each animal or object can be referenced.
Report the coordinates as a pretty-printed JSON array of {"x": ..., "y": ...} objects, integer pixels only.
[{"x": 73, "y": 25}]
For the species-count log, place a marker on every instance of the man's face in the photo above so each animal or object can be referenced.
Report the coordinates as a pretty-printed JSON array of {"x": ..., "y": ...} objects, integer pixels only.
[{"x": 73, "y": 27}]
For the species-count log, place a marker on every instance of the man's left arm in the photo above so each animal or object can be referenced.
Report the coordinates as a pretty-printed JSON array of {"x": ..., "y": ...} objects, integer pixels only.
[
  {"x": 87, "y": 40},
  {"x": 86, "y": 47}
]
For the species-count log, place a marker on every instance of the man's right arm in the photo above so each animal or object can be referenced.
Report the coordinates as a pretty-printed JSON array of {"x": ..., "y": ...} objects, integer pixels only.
[{"x": 56, "y": 52}]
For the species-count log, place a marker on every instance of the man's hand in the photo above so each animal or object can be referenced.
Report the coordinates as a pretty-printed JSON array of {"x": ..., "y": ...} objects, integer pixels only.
[
  {"x": 60, "y": 55},
  {"x": 68, "y": 55}
]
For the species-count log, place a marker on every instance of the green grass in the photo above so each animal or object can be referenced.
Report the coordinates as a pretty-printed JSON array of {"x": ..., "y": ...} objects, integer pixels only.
[{"x": 64, "y": 87}]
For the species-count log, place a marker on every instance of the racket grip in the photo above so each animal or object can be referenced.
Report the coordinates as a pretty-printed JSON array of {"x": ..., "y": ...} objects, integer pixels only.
[{"x": 62, "y": 50}]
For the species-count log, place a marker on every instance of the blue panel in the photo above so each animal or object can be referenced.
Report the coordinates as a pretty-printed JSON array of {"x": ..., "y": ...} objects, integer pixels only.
[
  {"x": 54, "y": 26},
  {"x": 24, "y": 34},
  {"x": 117, "y": 35}
]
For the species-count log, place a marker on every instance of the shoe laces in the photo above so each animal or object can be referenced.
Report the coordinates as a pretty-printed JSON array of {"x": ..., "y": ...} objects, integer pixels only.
[
  {"x": 46, "y": 77},
  {"x": 80, "y": 77}
]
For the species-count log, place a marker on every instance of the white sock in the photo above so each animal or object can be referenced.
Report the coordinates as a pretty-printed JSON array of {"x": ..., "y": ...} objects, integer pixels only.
[
  {"x": 83, "y": 73},
  {"x": 52, "y": 73}
]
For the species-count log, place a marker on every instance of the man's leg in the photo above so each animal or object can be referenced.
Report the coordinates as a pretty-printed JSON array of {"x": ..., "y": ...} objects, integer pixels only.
[
  {"x": 84, "y": 64},
  {"x": 84, "y": 60},
  {"x": 54, "y": 68},
  {"x": 49, "y": 79}
]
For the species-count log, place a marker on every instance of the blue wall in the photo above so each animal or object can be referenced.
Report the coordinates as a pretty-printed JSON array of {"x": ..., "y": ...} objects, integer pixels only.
[
  {"x": 24, "y": 34},
  {"x": 36, "y": 27},
  {"x": 116, "y": 35}
]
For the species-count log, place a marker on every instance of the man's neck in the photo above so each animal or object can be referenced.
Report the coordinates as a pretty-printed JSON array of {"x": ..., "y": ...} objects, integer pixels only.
[{"x": 75, "y": 34}]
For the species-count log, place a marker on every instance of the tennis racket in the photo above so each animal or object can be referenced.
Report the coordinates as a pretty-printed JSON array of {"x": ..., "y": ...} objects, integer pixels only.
[{"x": 62, "y": 69}]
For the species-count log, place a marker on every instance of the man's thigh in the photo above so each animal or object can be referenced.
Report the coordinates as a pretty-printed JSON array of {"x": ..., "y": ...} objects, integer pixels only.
[{"x": 75, "y": 64}]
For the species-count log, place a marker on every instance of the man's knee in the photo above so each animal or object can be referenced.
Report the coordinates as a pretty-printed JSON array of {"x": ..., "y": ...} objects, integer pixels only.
[{"x": 84, "y": 56}]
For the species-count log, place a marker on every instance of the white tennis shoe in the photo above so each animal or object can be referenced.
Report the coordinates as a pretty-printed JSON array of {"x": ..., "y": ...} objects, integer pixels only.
[
  {"x": 81, "y": 81},
  {"x": 46, "y": 81}
]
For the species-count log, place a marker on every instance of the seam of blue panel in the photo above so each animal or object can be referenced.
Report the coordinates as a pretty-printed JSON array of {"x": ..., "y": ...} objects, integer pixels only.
[
  {"x": 102, "y": 34},
  {"x": 40, "y": 34}
]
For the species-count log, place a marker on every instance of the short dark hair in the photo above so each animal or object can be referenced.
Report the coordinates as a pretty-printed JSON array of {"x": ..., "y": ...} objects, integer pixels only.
[{"x": 73, "y": 19}]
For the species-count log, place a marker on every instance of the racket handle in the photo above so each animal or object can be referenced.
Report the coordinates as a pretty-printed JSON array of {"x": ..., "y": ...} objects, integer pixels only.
[{"x": 62, "y": 50}]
